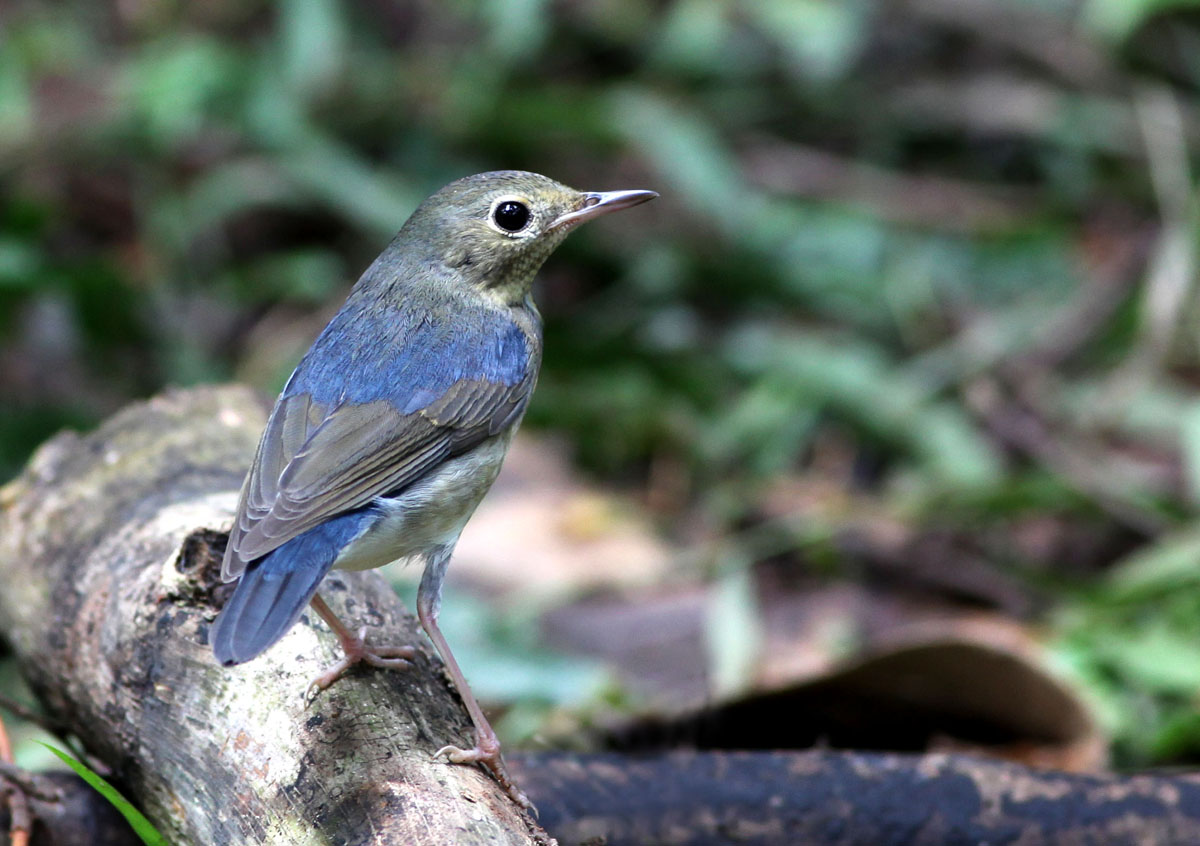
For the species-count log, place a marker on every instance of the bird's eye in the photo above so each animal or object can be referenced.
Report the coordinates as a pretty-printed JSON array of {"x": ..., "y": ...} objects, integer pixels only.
[{"x": 511, "y": 216}]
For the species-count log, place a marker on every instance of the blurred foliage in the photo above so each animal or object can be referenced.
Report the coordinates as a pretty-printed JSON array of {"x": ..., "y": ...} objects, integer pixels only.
[{"x": 938, "y": 256}]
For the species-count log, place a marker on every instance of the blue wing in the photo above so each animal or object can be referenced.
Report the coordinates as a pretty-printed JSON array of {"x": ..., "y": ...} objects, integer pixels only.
[
  {"x": 356, "y": 358},
  {"x": 383, "y": 396}
]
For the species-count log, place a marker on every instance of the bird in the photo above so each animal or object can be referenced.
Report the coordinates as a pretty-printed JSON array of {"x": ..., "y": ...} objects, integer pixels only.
[{"x": 395, "y": 423}]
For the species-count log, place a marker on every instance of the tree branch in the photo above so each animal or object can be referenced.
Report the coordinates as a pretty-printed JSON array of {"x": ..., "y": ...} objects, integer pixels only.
[
  {"x": 109, "y": 594},
  {"x": 835, "y": 798},
  {"x": 109, "y": 547}
]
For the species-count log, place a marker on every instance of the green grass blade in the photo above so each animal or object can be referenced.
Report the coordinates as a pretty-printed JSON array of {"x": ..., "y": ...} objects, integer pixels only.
[{"x": 136, "y": 819}]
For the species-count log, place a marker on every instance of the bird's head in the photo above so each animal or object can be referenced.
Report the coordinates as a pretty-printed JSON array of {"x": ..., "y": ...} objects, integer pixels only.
[{"x": 495, "y": 229}]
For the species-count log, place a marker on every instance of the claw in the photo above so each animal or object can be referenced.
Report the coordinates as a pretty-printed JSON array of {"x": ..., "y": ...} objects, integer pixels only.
[
  {"x": 356, "y": 650},
  {"x": 489, "y": 755}
]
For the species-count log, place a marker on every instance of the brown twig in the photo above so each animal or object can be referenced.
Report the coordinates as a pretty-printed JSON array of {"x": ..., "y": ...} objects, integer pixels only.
[
  {"x": 931, "y": 201},
  {"x": 1170, "y": 276},
  {"x": 29, "y": 715},
  {"x": 1053, "y": 41},
  {"x": 34, "y": 785},
  {"x": 1020, "y": 425},
  {"x": 20, "y": 823}
]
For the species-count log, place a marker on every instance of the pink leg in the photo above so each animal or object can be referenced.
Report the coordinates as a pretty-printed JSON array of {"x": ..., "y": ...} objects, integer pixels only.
[
  {"x": 487, "y": 746},
  {"x": 356, "y": 649}
]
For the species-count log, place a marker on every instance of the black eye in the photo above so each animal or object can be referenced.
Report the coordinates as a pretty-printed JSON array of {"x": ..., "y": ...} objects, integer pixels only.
[{"x": 511, "y": 216}]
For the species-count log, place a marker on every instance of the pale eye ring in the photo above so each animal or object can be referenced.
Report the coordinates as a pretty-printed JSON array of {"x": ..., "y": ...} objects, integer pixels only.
[{"x": 511, "y": 215}]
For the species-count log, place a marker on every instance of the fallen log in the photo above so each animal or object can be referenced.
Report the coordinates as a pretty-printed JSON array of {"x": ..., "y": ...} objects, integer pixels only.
[
  {"x": 838, "y": 798},
  {"x": 109, "y": 550}
]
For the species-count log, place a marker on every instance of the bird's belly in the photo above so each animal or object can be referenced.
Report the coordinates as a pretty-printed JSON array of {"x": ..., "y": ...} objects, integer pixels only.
[{"x": 428, "y": 514}]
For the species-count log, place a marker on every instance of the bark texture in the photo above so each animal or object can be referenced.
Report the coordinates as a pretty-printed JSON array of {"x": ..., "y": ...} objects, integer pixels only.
[
  {"x": 842, "y": 798},
  {"x": 109, "y": 549}
]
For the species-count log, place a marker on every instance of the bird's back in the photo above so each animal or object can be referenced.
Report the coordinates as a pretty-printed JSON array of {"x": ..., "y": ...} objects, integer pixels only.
[{"x": 406, "y": 375}]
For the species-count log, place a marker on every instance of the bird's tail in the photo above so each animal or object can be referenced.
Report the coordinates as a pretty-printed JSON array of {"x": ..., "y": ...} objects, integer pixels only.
[
  {"x": 266, "y": 603},
  {"x": 274, "y": 590}
]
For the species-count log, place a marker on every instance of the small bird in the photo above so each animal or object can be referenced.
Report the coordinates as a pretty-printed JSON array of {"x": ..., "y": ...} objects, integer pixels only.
[{"x": 395, "y": 423}]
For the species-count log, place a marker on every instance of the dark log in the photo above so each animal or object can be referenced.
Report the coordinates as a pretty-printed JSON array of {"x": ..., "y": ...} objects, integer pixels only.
[
  {"x": 840, "y": 798},
  {"x": 109, "y": 547},
  {"x": 77, "y": 815}
]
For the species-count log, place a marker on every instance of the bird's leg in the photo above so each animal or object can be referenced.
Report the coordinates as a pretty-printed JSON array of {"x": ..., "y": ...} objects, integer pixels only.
[
  {"x": 355, "y": 648},
  {"x": 487, "y": 746}
]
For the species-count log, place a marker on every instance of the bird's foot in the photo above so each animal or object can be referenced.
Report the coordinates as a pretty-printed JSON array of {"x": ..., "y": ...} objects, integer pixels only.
[
  {"x": 356, "y": 651},
  {"x": 487, "y": 752}
]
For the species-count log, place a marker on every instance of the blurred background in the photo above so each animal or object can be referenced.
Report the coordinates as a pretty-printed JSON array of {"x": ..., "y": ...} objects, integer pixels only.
[{"x": 879, "y": 429}]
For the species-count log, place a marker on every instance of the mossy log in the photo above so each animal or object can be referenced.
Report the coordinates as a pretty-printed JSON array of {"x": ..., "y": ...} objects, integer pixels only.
[{"x": 109, "y": 550}]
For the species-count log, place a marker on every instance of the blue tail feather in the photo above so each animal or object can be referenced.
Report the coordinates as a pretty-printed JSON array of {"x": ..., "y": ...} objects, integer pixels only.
[{"x": 273, "y": 592}]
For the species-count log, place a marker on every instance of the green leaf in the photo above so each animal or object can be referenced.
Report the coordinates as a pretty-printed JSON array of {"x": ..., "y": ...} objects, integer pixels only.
[
  {"x": 1189, "y": 438},
  {"x": 857, "y": 380},
  {"x": 695, "y": 38},
  {"x": 734, "y": 630},
  {"x": 136, "y": 819},
  {"x": 691, "y": 156},
  {"x": 19, "y": 263},
  {"x": 1153, "y": 656},
  {"x": 330, "y": 171},
  {"x": 175, "y": 85},
  {"x": 314, "y": 43},
  {"x": 16, "y": 100},
  {"x": 821, "y": 39},
  {"x": 518, "y": 27},
  {"x": 1156, "y": 569},
  {"x": 1119, "y": 19}
]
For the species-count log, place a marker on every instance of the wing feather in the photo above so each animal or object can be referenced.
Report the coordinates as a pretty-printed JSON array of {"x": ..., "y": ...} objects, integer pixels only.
[
  {"x": 391, "y": 388},
  {"x": 315, "y": 462}
]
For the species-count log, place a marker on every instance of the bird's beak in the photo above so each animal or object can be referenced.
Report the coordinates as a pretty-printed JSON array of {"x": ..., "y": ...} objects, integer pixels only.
[{"x": 596, "y": 203}]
